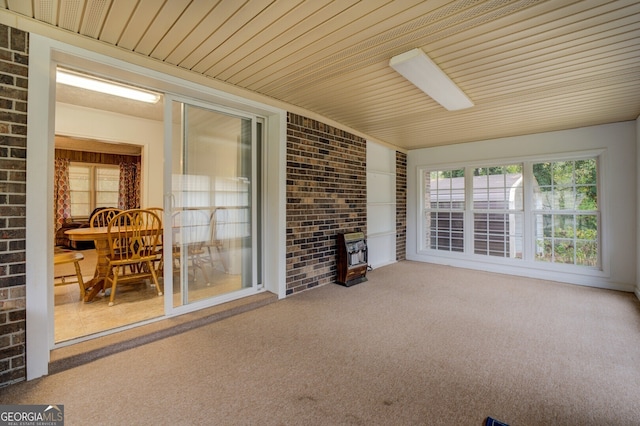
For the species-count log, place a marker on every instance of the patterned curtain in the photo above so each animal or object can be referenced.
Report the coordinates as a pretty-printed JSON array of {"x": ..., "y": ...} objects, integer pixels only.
[
  {"x": 129, "y": 197},
  {"x": 62, "y": 193}
]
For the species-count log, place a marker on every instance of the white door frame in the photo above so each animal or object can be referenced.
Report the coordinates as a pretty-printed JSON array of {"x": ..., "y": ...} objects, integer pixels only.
[{"x": 44, "y": 54}]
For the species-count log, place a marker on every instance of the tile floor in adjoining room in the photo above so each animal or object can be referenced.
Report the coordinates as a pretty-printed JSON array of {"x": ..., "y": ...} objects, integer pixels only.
[{"x": 134, "y": 303}]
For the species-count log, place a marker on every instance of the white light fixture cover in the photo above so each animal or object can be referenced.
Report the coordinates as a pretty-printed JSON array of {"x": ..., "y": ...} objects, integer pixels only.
[
  {"x": 420, "y": 70},
  {"x": 84, "y": 81}
]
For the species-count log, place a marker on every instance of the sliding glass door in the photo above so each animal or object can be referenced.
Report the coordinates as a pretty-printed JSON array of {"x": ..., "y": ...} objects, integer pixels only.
[{"x": 213, "y": 206}]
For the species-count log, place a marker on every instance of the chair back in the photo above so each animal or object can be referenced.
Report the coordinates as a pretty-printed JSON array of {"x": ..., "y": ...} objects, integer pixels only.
[
  {"x": 157, "y": 210},
  {"x": 102, "y": 217},
  {"x": 191, "y": 228},
  {"x": 133, "y": 234},
  {"x": 217, "y": 225}
]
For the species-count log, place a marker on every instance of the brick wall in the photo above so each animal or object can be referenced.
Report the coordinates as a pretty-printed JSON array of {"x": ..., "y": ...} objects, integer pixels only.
[
  {"x": 326, "y": 194},
  {"x": 401, "y": 206},
  {"x": 13, "y": 148}
]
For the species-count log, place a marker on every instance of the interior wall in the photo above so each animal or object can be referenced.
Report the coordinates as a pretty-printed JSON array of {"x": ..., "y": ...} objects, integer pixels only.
[
  {"x": 82, "y": 122},
  {"x": 381, "y": 205},
  {"x": 618, "y": 198}
]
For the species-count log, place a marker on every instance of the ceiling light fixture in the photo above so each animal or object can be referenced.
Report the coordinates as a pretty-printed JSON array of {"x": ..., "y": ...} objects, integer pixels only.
[
  {"x": 88, "y": 82},
  {"x": 420, "y": 70}
]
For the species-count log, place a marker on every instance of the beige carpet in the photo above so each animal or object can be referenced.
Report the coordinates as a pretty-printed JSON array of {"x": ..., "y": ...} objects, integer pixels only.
[{"x": 415, "y": 345}]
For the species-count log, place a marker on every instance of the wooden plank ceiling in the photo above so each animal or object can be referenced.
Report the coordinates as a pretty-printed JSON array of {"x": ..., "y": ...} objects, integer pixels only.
[{"x": 528, "y": 65}]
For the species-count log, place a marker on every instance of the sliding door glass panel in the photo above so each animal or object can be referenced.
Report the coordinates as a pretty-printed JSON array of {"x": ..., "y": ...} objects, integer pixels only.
[{"x": 211, "y": 207}]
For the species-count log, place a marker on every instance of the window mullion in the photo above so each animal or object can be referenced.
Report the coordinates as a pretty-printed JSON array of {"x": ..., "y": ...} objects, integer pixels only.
[
  {"x": 468, "y": 211},
  {"x": 93, "y": 184},
  {"x": 528, "y": 244}
]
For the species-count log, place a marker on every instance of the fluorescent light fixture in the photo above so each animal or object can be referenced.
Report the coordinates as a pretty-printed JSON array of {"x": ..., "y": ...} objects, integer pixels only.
[
  {"x": 96, "y": 84},
  {"x": 420, "y": 70}
]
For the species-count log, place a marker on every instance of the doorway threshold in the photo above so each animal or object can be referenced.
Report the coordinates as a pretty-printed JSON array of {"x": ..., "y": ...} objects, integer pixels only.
[{"x": 67, "y": 357}]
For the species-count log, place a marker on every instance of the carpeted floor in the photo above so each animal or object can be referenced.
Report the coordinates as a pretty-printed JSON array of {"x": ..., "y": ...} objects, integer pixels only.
[{"x": 417, "y": 344}]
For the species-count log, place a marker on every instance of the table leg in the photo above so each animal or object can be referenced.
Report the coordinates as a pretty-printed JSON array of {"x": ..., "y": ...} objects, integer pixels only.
[{"x": 102, "y": 270}]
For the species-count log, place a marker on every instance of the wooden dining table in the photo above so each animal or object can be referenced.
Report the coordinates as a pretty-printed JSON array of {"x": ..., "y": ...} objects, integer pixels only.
[{"x": 99, "y": 237}]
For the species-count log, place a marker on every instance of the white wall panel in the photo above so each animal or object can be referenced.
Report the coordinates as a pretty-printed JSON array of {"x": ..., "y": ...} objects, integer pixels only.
[
  {"x": 381, "y": 188},
  {"x": 381, "y": 204},
  {"x": 381, "y": 219},
  {"x": 382, "y": 250},
  {"x": 380, "y": 158}
]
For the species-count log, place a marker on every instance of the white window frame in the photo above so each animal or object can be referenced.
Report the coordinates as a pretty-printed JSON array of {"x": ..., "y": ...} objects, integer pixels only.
[{"x": 528, "y": 258}]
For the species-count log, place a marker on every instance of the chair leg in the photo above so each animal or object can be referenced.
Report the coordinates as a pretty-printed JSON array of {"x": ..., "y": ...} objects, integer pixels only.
[
  {"x": 154, "y": 277},
  {"x": 113, "y": 287},
  {"x": 222, "y": 259},
  {"x": 76, "y": 264},
  {"x": 198, "y": 263}
]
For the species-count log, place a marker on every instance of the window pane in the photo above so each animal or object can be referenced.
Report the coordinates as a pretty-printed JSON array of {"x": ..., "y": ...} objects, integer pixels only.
[
  {"x": 444, "y": 210},
  {"x": 569, "y": 187},
  {"x": 498, "y": 234},
  {"x": 80, "y": 210},
  {"x": 107, "y": 179},
  {"x": 80, "y": 197},
  {"x": 566, "y": 238},
  {"x": 562, "y": 173},
  {"x": 563, "y": 226},
  {"x": 107, "y": 199},
  {"x": 80, "y": 190},
  {"x": 445, "y": 189},
  {"x": 546, "y": 225},
  {"x": 79, "y": 178},
  {"x": 587, "y": 227},
  {"x": 563, "y": 251},
  {"x": 585, "y": 172},
  {"x": 497, "y": 187},
  {"x": 586, "y": 198},
  {"x": 563, "y": 198},
  {"x": 456, "y": 198},
  {"x": 587, "y": 253},
  {"x": 446, "y": 231},
  {"x": 542, "y": 174},
  {"x": 497, "y": 190}
]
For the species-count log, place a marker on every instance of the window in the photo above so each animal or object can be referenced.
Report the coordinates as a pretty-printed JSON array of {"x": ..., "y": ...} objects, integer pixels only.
[
  {"x": 481, "y": 211},
  {"x": 92, "y": 186},
  {"x": 498, "y": 211},
  {"x": 566, "y": 215},
  {"x": 445, "y": 204}
]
